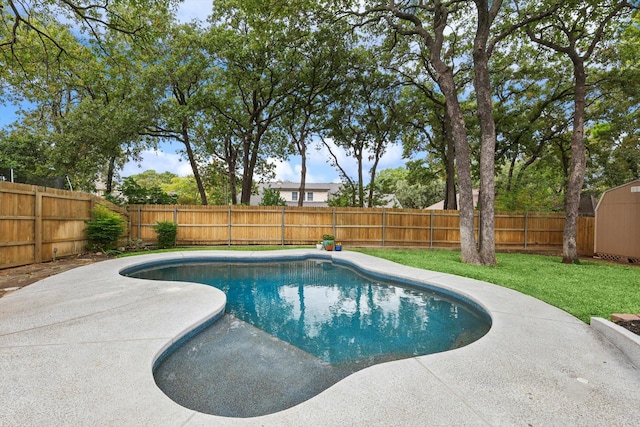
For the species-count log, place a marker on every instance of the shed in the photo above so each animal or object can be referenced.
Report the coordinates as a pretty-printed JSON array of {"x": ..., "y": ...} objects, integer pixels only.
[{"x": 617, "y": 230}]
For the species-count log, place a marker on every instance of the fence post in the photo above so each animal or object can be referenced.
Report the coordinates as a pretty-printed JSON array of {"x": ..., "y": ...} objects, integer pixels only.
[
  {"x": 139, "y": 222},
  {"x": 283, "y": 226},
  {"x": 526, "y": 226},
  {"x": 384, "y": 223},
  {"x": 38, "y": 227},
  {"x": 175, "y": 221},
  {"x": 229, "y": 225}
]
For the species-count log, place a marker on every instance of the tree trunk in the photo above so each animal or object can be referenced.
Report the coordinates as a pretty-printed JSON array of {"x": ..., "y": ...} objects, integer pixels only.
[
  {"x": 302, "y": 149},
  {"x": 233, "y": 189},
  {"x": 192, "y": 160},
  {"x": 110, "y": 172},
  {"x": 450, "y": 200},
  {"x": 247, "y": 173},
  {"x": 482, "y": 85},
  {"x": 231, "y": 158},
  {"x": 358, "y": 155},
  {"x": 577, "y": 166},
  {"x": 445, "y": 80}
]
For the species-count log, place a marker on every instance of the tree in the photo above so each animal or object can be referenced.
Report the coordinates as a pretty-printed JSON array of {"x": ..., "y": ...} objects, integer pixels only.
[
  {"x": 424, "y": 111},
  {"x": 87, "y": 99},
  {"x": 363, "y": 121},
  {"x": 413, "y": 189},
  {"x": 135, "y": 194},
  {"x": 250, "y": 42},
  {"x": 25, "y": 153},
  {"x": 419, "y": 196},
  {"x": 427, "y": 23},
  {"x": 271, "y": 197},
  {"x": 576, "y": 31},
  {"x": 21, "y": 18},
  {"x": 183, "y": 71},
  {"x": 321, "y": 63},
  {"x": 613, "y": 142}
]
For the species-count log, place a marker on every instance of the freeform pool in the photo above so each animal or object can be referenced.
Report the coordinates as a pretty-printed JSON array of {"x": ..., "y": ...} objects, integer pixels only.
[{"x": 294, "y": 328}]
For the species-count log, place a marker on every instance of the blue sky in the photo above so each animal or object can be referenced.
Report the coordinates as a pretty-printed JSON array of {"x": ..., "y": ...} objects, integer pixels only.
[{"x": 166, "y": 158}]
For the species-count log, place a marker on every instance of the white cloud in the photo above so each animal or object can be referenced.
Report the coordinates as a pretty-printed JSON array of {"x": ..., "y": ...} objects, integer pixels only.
[
  {"x": 392, "y": 157},
  {"x": 285, "y": 171},
  {"x": 158, "y": 161}
]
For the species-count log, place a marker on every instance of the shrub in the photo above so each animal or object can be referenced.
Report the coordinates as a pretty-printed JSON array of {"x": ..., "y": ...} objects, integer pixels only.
[
  {"x": 104, "y": 229},
  {"x": 167, "y": 232},
  {"x": 272, "y": 197}
]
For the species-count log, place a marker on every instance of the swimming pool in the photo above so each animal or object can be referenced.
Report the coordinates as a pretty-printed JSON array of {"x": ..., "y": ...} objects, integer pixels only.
[{"x": 308, "y": 322}]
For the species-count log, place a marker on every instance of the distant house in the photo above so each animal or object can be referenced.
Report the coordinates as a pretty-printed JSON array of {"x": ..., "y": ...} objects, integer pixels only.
[
  {"x": 440, "y": 204},
  {"x": 314, "y": 194}
]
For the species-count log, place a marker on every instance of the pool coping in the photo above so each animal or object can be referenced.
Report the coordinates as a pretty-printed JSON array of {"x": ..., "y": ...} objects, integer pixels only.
[{"x": 78, "y": 348}]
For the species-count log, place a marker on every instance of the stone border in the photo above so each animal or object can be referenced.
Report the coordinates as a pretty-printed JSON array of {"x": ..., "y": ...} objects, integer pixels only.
[{"x": 626, "y": 341}]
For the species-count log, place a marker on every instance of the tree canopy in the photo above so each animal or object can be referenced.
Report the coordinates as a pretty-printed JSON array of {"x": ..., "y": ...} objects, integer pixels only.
[{"x": 534, "y": 102}]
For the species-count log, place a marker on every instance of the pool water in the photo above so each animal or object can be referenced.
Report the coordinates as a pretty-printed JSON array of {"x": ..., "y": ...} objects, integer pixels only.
[{"x": 324, "y": 319}]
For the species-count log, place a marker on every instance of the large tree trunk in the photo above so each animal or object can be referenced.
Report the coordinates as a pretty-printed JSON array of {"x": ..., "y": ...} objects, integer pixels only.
[
  {"x": 445, "y": 80},
  {"x": 482, "y": 85},
  {"x": 450, "y": 200},
  {"x": 247, "y": 173},
  {"x": 577, "y": 167}
]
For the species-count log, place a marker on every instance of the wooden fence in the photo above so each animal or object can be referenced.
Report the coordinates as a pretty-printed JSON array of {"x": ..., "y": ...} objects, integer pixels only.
[
  {"x": 39, "y": 224},
  {"x": 248, "y": 225}
]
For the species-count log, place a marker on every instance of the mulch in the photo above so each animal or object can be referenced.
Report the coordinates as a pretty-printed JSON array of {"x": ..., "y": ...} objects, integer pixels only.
[{"x": 633, "y": 326}]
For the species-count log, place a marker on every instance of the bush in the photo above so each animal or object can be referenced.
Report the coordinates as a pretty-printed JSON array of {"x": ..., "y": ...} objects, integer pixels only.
[
  {"x": 104, "y": 229},
  {"x": 167, "y": 232},
  {"x": 272, "y": 197}
]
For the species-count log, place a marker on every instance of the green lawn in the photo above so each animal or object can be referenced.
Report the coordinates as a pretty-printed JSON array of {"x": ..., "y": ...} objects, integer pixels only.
[{"x": 591, "y": 288}]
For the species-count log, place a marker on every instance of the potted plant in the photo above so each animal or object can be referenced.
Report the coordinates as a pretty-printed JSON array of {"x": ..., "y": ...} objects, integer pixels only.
[
  {"x": 338, "y": 246},
  {"x": 328, "y": 241},
  {"x": 319, "y": 245}
]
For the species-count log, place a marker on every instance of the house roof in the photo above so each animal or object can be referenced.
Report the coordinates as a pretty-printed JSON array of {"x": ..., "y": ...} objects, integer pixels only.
[
  {"x": 440, "y": 204},
  {"x": 329, "y": 188},
  {"x": 294, "y": 186}
]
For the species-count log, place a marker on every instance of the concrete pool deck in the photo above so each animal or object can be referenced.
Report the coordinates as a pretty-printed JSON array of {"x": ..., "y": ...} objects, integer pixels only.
[{"x": 78, "y": 349}]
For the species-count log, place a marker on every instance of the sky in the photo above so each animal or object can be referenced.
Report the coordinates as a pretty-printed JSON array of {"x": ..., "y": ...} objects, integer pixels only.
[{"x": 166, "y": 159}]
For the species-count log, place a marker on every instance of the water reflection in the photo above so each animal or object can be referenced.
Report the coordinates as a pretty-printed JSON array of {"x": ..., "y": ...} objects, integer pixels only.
[{"x": 333, "y": 312}]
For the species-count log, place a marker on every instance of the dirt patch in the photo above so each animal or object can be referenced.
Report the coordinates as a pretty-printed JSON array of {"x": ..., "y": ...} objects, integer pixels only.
[{"x": 12, "y": 279}]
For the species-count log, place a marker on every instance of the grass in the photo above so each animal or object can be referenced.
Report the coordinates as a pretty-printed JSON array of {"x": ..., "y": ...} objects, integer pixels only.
[{"x": 591, "y": 288}]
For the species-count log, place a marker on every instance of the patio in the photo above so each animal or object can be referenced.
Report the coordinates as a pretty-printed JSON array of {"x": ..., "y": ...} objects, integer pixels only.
[{"x": 78, "y": 349}]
